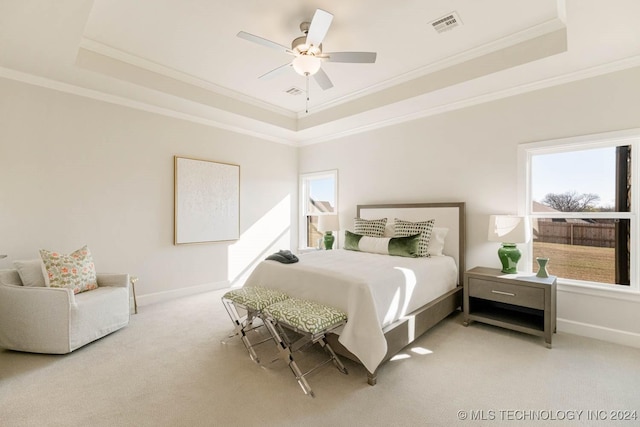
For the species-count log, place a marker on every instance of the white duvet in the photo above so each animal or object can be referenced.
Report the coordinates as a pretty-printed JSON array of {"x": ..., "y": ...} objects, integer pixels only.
[{"x": 374, "y": 290}]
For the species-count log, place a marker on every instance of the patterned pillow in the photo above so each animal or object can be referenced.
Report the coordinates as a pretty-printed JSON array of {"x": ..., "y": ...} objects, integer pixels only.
[
  {"x": 75, "y": 271},
  {"x": 369, "y": 227},
  {"x": 406, "y": 228}
]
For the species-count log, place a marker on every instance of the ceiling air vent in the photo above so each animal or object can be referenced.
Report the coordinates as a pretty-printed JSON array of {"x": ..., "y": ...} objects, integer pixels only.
[
  {"x": 447, "y": 22},
  {"x": 294, "y": 91}
]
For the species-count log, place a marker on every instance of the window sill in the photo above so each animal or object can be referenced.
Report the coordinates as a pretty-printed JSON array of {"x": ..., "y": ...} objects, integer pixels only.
[{"x": 603, "y": 291}]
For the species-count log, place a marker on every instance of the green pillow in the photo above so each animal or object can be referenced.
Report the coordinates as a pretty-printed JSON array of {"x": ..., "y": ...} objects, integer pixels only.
[{"x": 408, "y": 246}]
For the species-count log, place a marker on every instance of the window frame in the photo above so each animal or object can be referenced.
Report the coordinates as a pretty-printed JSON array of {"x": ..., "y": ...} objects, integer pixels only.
[
  {"x": 526, "y": 152},
  {"x": 304, "y": 189}
]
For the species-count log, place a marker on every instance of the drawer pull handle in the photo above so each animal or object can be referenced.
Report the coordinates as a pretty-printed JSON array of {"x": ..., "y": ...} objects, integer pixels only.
[{"x": 503, "y": 293}]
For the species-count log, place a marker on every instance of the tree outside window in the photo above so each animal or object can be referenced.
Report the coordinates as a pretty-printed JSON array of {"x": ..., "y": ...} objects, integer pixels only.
[{"x": 579, "y": 198}]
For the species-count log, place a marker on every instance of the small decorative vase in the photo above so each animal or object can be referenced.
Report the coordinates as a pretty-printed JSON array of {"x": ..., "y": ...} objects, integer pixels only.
[
  {"x": 328, "y": 240},
  {"x": 542, "y": 267}
]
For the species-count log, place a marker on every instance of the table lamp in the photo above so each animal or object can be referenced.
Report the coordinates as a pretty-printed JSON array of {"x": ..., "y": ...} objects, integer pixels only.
[
  {"x": 327, "y": 224},
  {"x": 509, "y": 230}
]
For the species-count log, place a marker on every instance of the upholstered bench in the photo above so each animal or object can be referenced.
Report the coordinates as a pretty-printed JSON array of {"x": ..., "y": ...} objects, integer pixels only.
[
  {"x": 253, "y": 300},
  {"x": 313, "y": 321}
]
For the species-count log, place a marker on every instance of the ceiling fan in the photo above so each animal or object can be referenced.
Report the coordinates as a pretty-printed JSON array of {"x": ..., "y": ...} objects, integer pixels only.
[{"x": 308, "y": 53}]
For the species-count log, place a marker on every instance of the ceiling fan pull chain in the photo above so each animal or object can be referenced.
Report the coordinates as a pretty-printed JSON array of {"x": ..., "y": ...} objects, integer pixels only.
[{"x": 307, "y": 104}]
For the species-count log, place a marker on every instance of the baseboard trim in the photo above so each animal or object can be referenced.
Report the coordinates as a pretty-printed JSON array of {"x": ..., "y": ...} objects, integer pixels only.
[
  {"x": 156, "y": 297},
  {"x": 602, "y": 333}
]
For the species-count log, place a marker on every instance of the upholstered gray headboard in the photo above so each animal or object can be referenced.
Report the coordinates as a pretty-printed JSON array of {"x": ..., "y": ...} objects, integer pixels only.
[{"x": 446, "y": 214}]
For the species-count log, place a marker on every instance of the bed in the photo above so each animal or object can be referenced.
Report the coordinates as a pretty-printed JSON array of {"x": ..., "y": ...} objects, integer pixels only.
[{"x": 390, "y": 300}]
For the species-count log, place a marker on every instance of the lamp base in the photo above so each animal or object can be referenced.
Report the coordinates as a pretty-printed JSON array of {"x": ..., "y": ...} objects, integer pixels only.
[
  {"x": 328, "y": 240},
  {"x": 509, "y": 255}
]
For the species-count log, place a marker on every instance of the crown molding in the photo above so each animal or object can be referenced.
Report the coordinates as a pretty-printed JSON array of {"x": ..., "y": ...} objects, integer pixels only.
[
  {"x": 502, "y": 43},
  {"x": 59, "y": 86},
  {"x": 140, "y": 62},
  {"x": 299, "y": 138},
  {"x": 530, "y": 33},
  {"x": 623, "y": 64}
]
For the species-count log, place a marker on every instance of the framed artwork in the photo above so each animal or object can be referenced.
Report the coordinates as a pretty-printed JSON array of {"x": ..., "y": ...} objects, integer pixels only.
[{"x": 207, "y": 201}]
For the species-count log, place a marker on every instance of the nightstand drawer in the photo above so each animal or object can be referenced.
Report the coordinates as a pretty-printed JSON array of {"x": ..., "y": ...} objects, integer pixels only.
[{"x": 523, "y": 296}]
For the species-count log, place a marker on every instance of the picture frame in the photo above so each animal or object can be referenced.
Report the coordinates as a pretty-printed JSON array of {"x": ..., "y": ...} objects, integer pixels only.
[{"x": 206, "y": 201}]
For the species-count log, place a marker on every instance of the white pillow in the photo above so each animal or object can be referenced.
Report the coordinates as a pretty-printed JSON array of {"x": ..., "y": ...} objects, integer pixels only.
[
  {"x": 436, "y": 243},
  {"x": 30, "y": 272},
  {"x": 389, "y": 230},
  {"x": 399, "y": 246}
]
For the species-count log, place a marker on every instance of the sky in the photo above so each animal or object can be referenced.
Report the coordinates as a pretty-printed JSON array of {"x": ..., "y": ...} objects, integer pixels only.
[
  {"x": 322, "y": 190},
  {"x": 587, "y": 171}
]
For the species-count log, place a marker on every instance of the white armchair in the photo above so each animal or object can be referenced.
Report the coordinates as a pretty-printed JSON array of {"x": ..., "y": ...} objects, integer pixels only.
[{"x": 54, "y": 320}]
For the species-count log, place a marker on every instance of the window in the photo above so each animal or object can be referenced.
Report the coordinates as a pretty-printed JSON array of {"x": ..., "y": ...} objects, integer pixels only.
[
  {"x": 318, "y": 196},
  {"x": 582, "y": 197}
]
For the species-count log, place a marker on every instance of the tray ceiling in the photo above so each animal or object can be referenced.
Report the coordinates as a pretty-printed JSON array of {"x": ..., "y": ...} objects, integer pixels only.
[{"x": 184, "y": 59}]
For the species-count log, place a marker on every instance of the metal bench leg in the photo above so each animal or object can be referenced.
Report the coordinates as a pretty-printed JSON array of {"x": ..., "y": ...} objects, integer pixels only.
[
  {"x": 242, "y": 325},
  {"x": 252, "y": 353},
  {"x": 234, "y": 315},
  {"x": 287, "y": 356},
  {"x": 336, "y": 361},
  {"x": 302, "y": 381}
]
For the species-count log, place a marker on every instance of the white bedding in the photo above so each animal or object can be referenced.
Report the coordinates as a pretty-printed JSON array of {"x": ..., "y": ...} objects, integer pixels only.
[{"x": 374, "y": 290}]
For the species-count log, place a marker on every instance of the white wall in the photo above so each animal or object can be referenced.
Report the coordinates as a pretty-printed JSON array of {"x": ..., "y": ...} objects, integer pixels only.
[
  {"x": 470, "y": 155},
  {"x": 76, "y": 171}
]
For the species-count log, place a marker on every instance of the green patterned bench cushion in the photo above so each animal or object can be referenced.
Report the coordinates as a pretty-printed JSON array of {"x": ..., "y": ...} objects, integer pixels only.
[
  {"x": 306, "y": 316},
  {"x": 255, "y": 297}
]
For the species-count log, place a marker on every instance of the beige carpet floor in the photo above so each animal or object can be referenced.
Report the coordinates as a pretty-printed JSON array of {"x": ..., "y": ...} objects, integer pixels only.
[{"x": 169, "y": 367}]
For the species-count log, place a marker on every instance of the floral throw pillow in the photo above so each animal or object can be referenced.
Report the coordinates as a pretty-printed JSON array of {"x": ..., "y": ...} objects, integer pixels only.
[{"x": 75, "y": 271}]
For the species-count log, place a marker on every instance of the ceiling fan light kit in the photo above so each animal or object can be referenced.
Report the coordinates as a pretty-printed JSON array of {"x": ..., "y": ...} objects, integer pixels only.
[
  {"x": 306, "y": 65},
  {"x": 307, "y": 50}
]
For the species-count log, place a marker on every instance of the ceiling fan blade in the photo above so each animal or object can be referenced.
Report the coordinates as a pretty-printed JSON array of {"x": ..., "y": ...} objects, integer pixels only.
[
  {"x": 319, "y": 27},
  {"x": 276, "y": 71},
  {"x": 353, "y": 57},
  {"x": 323, "y": 80},
  {"x": 264, "y": 42}
]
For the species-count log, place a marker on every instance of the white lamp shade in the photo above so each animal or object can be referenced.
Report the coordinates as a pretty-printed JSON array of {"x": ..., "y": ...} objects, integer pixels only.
[
  {"x": 509, "y": 229},
  {"x": 306, "y": 64},
  {"x": 328, "y": 223}
]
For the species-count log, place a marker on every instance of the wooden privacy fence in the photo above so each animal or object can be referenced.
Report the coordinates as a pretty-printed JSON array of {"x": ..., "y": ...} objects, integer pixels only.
[{"x": 577, "y": 233}]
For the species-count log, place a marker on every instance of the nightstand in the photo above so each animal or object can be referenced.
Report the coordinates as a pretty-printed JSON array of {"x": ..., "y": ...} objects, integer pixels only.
[{"x": 520, "y": 302}]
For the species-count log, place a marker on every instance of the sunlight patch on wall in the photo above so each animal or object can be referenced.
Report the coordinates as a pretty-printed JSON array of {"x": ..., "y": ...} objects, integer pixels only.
[{"x": 269, "y": 234}]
